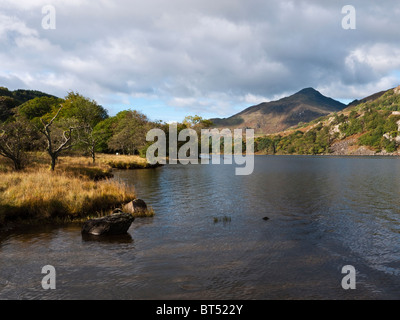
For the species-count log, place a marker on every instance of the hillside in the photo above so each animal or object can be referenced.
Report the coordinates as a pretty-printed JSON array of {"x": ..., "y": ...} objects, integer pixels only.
[
  {"x": 370, "y": 126},
  {"x": 11, "y": 99},
  {"x": 276, "y": 116},
  {"x": 366, "y": 99}
]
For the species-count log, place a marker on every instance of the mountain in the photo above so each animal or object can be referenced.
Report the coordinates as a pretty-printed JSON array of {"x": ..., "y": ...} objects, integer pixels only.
[
  {"x": 276, "y": 116},
  {"x": 368, "y": 126},
  {"x": 367, "y": 99}
]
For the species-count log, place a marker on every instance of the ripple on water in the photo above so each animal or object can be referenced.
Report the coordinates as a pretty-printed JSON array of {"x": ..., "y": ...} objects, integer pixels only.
[{"x": 324, "y": 213}]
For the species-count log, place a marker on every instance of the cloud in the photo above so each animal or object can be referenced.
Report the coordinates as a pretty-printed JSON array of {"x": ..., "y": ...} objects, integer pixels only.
[{"x": 205, "y": 57}]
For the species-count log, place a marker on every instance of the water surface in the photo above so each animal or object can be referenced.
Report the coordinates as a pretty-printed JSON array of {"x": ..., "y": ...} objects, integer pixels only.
[{"x": 208, "y": 239}]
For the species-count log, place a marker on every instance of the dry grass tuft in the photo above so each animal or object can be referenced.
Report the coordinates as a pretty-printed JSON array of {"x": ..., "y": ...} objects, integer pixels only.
[
  {"x": 45, "y": 195},
  {"x": 75, "y": 191},
  {"x": 124, "y": 161}
]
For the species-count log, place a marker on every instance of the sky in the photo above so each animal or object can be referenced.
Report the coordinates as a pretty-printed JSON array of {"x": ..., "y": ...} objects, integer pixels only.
[{"x": 213, "y": 58}]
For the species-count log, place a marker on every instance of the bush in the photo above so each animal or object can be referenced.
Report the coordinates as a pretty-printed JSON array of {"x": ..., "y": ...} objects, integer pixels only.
[{"x": 372, "y": 139}]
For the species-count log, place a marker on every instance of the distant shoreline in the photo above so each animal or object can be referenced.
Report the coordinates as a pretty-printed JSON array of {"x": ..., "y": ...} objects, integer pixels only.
[
  {"x": 330, "y": 155},
  {"x": 321, "y": 154}
]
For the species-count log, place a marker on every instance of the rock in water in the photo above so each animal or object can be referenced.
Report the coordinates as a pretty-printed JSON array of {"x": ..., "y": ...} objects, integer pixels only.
[
  {"x": 135, "y": 206},
  {"x": 116, "y": 223}
]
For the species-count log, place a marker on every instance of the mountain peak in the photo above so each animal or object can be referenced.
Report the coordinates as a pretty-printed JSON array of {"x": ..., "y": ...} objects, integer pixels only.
[
  {"x": 309, "y": 90},
  {"x": 275, "y": 116}
]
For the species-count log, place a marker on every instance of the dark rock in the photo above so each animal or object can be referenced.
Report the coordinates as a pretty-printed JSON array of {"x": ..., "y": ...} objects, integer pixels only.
[
  {"x": 135, "y": 206},
  {"x": 116, "y": 223},
  {"x": 265, "y": 218}
]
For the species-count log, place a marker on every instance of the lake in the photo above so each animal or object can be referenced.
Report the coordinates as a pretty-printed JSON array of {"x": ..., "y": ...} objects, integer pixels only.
[{"x": 208, "y": 239}]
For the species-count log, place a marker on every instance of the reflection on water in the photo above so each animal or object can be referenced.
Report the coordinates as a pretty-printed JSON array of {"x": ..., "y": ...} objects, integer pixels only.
[
  {"x": 325, "y": 212},
  {"x": 121, "y": 238}
]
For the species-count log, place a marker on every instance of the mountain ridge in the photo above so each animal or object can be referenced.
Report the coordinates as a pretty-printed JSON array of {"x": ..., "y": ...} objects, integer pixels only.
[
  {"x": 274, "y": 116},
  {"x": 370, "y": 126}
]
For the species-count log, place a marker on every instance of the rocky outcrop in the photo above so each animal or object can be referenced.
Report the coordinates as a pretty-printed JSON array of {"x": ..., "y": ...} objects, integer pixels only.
[
  {"x": 350, "y": 146},
  {"x": 134, "y": 207},
  {"x": 116, "y": 223}
]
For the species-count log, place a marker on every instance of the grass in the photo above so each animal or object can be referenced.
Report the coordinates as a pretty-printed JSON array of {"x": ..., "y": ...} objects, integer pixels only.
[
  {"x": 145, "y": 214},
  {"x": 43, "y": 195},
  {"x": 105, "y": 160},
  {"x": 224, "y": 219},
  {"x": 75, "y": 191},
  {"x": 81, "y": 166},
  {"x": 125, "y": 162}
]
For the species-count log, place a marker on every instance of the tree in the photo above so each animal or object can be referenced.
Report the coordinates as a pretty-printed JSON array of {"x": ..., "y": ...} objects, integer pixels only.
[
  {"x": 103, "y": 132},
  {"x": 6, "y": 106},
  {"x": 129, "y": 132},
  {"x": 88, "y": 114},
  {"x": 196, "y": 122},
  {"x": 59, "y": 139},
  {"x": 15, "y": 139},
  {"x": 36, "y": 108}
]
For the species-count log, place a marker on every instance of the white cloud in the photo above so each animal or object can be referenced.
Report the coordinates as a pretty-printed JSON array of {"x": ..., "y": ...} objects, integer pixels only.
[
  {"x": 380, "y": 57},
  {"x": 211, "y": 57},
  {"x": 11, "y": 24},
  {"x": 252, "y": 99}
]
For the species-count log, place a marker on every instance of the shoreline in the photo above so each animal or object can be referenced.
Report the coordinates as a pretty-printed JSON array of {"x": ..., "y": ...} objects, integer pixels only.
[
  {"x": 330, "y": 155},
  {"x": 54, "y": 212},
  {"x": 76, "y": 191},
  {"x": 322, "y": 154}
]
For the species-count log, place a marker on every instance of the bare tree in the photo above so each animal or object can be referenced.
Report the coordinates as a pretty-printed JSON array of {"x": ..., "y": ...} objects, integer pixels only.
[
  {"x": 15, "y": 139},
  {"x": 56, "y": 141},
  {"x": 88, "y": 138}
]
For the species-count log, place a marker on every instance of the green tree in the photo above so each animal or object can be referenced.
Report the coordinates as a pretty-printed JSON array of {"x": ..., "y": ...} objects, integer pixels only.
[
  {"x": 196, "y": 122},
  {"x": 6, "y": 107},
  {"x": 87, "y": 114},
  {"x": 103, "y": 131},
  {"x": 129, "y": 132},
  {"x": 37, "y": 107}
]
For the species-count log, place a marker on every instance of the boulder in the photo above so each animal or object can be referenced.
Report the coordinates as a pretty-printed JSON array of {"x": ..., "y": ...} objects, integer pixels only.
[
  {"x": 116, "y": 223},
  {"x": 135, "y": 206}
]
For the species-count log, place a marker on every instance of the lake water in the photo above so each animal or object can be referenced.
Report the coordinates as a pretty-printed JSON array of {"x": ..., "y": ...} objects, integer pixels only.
[{"x": 208, "y": 239}]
